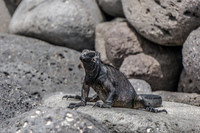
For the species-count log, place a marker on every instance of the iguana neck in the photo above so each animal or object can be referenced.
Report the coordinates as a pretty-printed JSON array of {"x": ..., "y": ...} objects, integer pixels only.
[{"x": 91, "y": 74}]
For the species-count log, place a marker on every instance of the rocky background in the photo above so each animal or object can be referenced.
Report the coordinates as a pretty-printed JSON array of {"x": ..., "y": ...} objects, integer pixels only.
[{"x": 155, "y": 43}]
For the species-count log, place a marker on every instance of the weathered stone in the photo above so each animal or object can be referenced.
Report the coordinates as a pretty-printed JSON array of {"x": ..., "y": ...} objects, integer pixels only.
[
  {"x": 100, "y": 34},
  {"x": 48, "y": 120},
  {"x": 165, "y": 22},
  {"x": 191, "y": 57},
  {"x": 112, "y": 7},
  {"x": 180, "y": 97},
  {"x": 13, "y": 99},
  {"x": 4, "y": 17},
  {"x": 141, "y": 59},
  {"x": 69, "y": 23},
  {"x": 186, "y": 84},
  {"x": 141, "y": 86},
  {"x": 40, "y": 68},
  {"x": 180, "y": 117},
  {"x": 121, "y": 41}
]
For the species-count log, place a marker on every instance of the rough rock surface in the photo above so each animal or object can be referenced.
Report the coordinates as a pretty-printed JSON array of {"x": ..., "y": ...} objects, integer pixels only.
[
  {"x": 180, "y": 117},
  {"x": 100, "y": 34},
  {"x": 69, "y": 23},
  {"x": 48, "y": 120},
  {"x": 180, "y": 97},
  {"x": 186, "y": 84},
  {"x": 39, "y": 67},
  {"x": 141, "y": 59},
  {"x": 141, "y": 86},
  {"x": 4, "y": 17},
  {"x": 191, "y": 57},
  {"x": 13, "y": 99},
  {"x": 166, "y": 22},
  {"x": 112, "y": 7}
]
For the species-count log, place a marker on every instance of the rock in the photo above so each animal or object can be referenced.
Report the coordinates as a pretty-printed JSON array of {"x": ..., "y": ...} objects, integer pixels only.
[
  {"x": 48, "y": 120},
  {"x": 61, "y": 22},
  {"x": 180, "y": 117},
  {"x": 100, "y": 34},
  {"x": 12, "y": 5},
  {"x": 5, "y": 17},
  {"x": 191, "y": 57},
  {"x": 13, "y": 99},
  {"x": 141, "y": 59},
  {"x": 165, "y": 22},
  {"x": 186, "y": 84},
  {"x": 180, "y": 97},
  {"x": 141, "y": 86},
  {"x": 112, "y": 7},
  {"x": 40, "y": 68}
]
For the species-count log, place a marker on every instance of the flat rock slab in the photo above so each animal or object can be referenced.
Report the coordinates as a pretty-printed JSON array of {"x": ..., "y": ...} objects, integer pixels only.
[
  {"x": 48, "y": 120},
  {"x": 180, "y": 97},
  {"x": 180, "y": 117}
]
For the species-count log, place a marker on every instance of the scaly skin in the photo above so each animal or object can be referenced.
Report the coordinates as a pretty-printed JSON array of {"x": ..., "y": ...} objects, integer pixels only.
[{"x": 111, "y": 86}]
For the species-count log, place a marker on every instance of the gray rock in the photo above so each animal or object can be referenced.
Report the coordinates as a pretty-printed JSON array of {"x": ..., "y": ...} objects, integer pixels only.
[
  {"x": 141, "y": 86},
  {"x": 69, "y": 23},
  {"x": 180, "y": 117},
  {"x": 13, "y": 99},
  {"x": 191, "y": 57},
  {"x": 180, "y": 97},
  {"x": 186, "y": 84},
  {"x": 40, "y": 68},
  {"x": 48, "y": 120},
  {"x": 141, "y": 59},
  {"x": 5, "y": 17},
  {"x": 165, "y": 22},
  {"x": 100, "y": 34},
  {"x": 112, "y": 7}
]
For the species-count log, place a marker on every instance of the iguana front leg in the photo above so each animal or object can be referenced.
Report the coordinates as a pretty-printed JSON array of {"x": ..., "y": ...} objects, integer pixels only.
[
  {"x": 111, "y": 92},
  {"x": 84, "y": 95}
]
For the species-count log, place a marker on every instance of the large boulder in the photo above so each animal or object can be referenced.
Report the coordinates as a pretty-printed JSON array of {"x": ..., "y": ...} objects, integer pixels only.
[
  {"x": 139, "y": 58},
  {"x": 5, "y": 17},
  {"x": 40, "y": 68},
  {"x": 180, "y": 117},
  {"x": 186, "y": 84},
  {"x": 14, "y": 100},
  {"x": 48, "y": 120},
  {"x": 112, "y": 7},
  {"x": 69, "y": 23},
  {"x": 191, "y": 57},
  {"x": 165, "y": 22}
]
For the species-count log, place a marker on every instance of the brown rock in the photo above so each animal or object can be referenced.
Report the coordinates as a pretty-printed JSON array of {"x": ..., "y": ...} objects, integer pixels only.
[
  {"x": 139, "y": 58},
  {"x": 100, "y": 31}
]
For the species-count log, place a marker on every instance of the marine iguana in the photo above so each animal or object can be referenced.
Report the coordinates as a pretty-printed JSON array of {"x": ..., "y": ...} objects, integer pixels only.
[{"x": 111, "y": 86}]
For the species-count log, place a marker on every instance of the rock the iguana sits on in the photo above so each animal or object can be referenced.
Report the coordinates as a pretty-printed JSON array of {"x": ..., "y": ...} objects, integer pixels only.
[{"x": 111, "y": 86}]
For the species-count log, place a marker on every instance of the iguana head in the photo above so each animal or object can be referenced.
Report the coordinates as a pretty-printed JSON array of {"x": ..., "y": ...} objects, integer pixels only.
[{"x": 90, "y": 60}]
